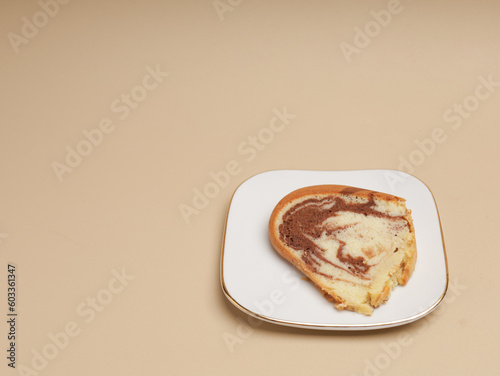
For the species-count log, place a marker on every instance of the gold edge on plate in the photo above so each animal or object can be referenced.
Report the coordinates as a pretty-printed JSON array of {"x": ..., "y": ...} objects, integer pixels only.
[{"x": 352, "y": 327}]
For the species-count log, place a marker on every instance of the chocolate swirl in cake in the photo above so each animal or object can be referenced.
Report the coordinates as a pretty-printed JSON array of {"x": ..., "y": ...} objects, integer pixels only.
[{"x": 305, "y": 222}]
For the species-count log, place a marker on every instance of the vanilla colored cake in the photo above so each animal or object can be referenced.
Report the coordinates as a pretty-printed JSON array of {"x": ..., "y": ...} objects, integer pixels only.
[{"x": 354, "y": 244}]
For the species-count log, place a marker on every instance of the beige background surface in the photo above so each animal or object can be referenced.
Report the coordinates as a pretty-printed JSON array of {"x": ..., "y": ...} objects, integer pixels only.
[{"x": 70, "y": 223}]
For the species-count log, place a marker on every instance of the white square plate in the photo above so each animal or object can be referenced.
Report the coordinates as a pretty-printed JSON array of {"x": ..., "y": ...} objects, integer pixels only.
[{"x": 263, "y": 284}]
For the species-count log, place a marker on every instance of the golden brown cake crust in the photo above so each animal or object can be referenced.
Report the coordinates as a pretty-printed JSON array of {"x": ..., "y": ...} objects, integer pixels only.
[{"x": 403, "y": 275}]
